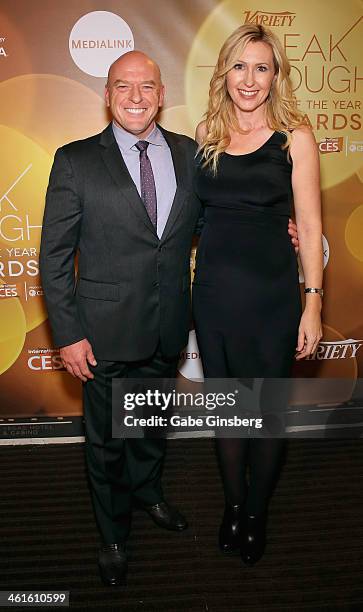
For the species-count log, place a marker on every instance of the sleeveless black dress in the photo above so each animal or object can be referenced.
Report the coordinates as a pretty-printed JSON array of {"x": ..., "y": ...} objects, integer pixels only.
[{"x": 246, "y": 297}]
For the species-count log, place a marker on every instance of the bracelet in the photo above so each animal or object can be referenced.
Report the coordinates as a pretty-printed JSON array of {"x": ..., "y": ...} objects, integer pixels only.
[{"x": 314, "y": 290}]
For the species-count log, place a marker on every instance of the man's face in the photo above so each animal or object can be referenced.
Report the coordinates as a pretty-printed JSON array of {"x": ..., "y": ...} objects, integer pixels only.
[{"x": 134, "y": 93}]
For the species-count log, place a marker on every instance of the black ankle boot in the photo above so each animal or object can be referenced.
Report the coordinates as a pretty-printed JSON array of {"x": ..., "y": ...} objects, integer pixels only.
[
  {"x": 253, "y": 540},
  {"x": 230, "y": 529}
]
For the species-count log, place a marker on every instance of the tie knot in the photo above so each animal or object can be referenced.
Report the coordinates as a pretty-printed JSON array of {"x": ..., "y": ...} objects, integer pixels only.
[{"x": 142, "y": 145}]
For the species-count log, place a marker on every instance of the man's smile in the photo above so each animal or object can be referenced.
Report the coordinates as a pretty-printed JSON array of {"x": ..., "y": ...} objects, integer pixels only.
[{"x": 135, "y": 111}]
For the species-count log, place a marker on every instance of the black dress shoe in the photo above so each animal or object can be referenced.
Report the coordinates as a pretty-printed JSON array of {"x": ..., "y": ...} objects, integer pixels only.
[
  {"x": 167, "y": 517},
  {"x": 253, "y": 541},
  {"x": 112, "y": 563},
  {"x": 230, "y": 529}
]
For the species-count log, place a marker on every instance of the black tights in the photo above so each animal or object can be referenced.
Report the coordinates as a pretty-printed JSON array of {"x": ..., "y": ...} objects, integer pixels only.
[
  {"x": 260, "y": 458},
  {"x": 263, "y": 457}
]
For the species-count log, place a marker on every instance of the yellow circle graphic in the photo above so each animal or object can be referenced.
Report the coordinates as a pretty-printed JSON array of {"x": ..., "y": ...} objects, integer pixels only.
[
  {"x": 353, "y": 233},
  {"x": 176, "y": 119},
  {"x": 12, "y": 331},
  {"x": 44, "y": 118},
  {"x": 29, "y": 137},
  {"x": 23, "y": 182},
  {"x": 322, "y": 42}
]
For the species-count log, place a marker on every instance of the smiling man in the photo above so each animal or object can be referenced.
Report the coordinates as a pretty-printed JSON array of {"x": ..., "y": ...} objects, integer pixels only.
[
  {"x": 134, "y": 92},
  {"x": 122, "y": 201}
]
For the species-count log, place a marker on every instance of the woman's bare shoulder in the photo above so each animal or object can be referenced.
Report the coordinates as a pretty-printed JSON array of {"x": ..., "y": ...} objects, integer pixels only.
[{"x": 303, "y": 142}]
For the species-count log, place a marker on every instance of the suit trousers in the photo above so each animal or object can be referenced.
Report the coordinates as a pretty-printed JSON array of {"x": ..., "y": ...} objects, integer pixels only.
[{"x": 121, "y": 472}]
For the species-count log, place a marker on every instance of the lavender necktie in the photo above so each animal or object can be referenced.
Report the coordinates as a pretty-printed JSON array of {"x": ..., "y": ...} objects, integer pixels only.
[{"x": 147, "y": 183}]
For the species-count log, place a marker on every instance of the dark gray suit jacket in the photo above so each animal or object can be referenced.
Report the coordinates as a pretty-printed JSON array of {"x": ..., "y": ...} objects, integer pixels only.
[{"x": 132, "y": 289}]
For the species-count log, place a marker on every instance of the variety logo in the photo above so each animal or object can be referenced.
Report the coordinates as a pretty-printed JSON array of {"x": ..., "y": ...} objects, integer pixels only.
[
  {"x": 7, "y": 291},
  {"x": 331, "y": 145},
  {"x": 340, "y": 349},
  {"x": 97, "y": 40},
  {"x": 265, "y": 18}
]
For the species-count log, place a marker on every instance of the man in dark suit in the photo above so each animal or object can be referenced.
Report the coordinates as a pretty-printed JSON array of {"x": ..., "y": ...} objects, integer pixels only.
[{"x": 123, "y": 201}]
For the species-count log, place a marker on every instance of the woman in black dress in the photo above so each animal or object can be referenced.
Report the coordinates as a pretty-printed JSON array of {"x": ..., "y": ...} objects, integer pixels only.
[{"x": 256, "y": 158}]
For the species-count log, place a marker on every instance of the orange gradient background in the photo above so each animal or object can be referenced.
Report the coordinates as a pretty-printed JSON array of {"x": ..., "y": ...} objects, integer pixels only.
[{"x": 46, "y": 101}]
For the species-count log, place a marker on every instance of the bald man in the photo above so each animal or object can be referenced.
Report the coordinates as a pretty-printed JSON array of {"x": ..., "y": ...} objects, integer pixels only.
[{"x": 122, "y": 200}]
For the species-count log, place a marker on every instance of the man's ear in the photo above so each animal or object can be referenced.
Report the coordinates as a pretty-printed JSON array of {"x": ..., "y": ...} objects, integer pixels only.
[
  {"x": 161, "y": 95},
  {"x": 107, "y": 96}
]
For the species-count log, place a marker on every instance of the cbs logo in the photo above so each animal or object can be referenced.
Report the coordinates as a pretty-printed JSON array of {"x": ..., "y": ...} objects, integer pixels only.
[
  {"x": 356, "y": 147},
  {"x": 35, "y": 292}
]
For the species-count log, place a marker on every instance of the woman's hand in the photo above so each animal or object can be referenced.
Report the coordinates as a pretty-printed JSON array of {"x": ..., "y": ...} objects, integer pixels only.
[
  {"x": 292, "y": 230},
  {"x": 310, "y": 332}
]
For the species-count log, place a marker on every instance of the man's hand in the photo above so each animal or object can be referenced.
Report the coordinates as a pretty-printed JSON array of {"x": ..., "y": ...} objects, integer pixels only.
[
  {"x": 292, "y": 230},
  {"x": 76, "y": 357}
]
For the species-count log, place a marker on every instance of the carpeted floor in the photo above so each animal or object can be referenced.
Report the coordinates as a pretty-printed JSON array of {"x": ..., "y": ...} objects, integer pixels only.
[{"x": 314, "y": 559}]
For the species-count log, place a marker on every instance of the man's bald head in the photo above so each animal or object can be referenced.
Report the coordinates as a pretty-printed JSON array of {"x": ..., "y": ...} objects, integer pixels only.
[
  {"x": 134, "y": 92},
  {"x": 132, "y": 59}
]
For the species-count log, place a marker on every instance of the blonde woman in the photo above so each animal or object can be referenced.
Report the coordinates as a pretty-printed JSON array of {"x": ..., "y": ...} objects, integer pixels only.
[{"x": 256, "y": 158}]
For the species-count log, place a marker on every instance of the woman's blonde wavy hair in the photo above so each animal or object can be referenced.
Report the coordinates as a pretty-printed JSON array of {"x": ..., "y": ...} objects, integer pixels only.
[{"x": 282, "y": 114}]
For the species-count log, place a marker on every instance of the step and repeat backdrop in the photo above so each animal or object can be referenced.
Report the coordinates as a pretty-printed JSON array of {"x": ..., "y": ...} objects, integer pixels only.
[{"x": 53, "y": 63}]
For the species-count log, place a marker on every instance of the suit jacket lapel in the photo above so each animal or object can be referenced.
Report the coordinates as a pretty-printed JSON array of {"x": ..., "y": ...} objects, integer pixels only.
[
  {"x": 179, "y": 161},
  {"x": 113, "y": 159}
]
